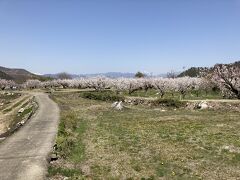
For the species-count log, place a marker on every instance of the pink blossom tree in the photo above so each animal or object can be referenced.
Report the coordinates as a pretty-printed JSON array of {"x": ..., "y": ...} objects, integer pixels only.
[
  {"x": 98, "y": 83},
  {"x": 228, "y": 79},
  {"x": 32, "y": 84},
  {"x": 161, "y": 85},
  {"x": 183, "y": 85},
  {"x": 4, "y": 84}
]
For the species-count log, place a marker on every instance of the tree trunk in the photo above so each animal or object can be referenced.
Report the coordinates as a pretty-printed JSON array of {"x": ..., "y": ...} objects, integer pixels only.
[
  {"x": 162, "y": 95},
  {"x": 238, "y": 96}
]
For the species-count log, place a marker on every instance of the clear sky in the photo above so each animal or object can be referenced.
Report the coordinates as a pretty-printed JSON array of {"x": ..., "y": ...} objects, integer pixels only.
[{"x": 90, "y": 36}]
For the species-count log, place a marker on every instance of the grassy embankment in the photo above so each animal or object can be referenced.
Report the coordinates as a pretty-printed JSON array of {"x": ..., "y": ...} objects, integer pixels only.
[{"x": 10, "y": 118}]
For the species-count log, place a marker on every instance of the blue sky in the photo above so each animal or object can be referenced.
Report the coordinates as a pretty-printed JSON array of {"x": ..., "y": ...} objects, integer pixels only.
[{"x": 89, "y": 36}]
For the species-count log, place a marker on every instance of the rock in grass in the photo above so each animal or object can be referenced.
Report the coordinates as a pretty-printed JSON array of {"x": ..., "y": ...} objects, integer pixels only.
[
  {"x": 21, "y": 110},
  {"x": 117, "y": 105},
  {"x": 19, "y": 124},
  {"x": 203, "y": 105},
  {"x": 114, "y": 104},
  {"x": 2, "y": 138},
  {"x": 54, "y": 157}
]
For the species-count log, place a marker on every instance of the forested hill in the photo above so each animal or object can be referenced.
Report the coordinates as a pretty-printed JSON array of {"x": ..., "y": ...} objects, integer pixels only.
[
  {"x": 196, "y": 71},
  {"x": 18, "y": 75}
]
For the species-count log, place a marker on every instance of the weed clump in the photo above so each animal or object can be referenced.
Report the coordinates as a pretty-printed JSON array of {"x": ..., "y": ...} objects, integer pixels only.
[{"x": 70, "y": 131}]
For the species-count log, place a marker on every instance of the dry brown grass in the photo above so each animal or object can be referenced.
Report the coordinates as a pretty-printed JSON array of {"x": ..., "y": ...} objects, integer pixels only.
[{"x": 10, "y": 106}]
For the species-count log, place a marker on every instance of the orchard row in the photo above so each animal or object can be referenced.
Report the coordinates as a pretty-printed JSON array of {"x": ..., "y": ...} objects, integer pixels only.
[{"x": 226, "y": 78}]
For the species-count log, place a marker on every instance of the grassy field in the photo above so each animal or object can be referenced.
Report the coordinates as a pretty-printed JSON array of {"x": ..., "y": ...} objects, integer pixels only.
[{"x": 97, "y": 142}]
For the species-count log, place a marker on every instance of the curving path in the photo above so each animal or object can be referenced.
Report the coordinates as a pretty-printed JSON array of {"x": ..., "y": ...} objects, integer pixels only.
[{"x": 23, "y": 156}]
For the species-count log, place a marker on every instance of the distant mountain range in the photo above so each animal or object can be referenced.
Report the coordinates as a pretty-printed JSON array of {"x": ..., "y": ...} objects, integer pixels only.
[
  {"x": 22, "y": 75},
  {"x": 18, "y": 75},
  {"x": 108, "y": 74}
]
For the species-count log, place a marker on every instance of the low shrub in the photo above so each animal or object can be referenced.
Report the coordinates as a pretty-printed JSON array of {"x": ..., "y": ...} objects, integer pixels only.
[
  {"x": 168, "y": 103},
  {"x": 102, "y": 96}
]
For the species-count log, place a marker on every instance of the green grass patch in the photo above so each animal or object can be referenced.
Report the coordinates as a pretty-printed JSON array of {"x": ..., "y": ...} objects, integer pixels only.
[
  {"x": 168, "y": 103},
  {"x": 103, "y": 96},
  {"x": 26, "y": 111},
  {"x": 19, "y": 117},
  {"x": 69, "y": 140}
]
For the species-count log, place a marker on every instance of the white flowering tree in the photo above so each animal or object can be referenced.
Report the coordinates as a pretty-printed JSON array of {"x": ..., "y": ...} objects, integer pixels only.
[
  {"x": 4, "y": 84},
  {"x": 131, "y": 85},
  {"x": 172, "y": 86},
  {"x": 32, "y": 84},
  {"x": 228, "y": 79},
  {"x": 65, "y": 83},
  {"x": 46, "y": 84},
  {"x": 98, "y": 83},
  {"x": 118, "y": 85},
  {"x": 80, "y": 83},
  {"x": 146, "y": 83},
  {"x": 207, "y": 84},
  {"x": 161, "y": 85},
  {"x": 183, "y": 86},
  {"x": 54, "y": 84},
  {"x": 197, "y": 85}
]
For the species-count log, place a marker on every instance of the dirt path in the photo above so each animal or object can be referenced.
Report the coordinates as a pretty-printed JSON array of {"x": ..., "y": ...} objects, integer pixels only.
[{"x": 24, "y": 154}]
